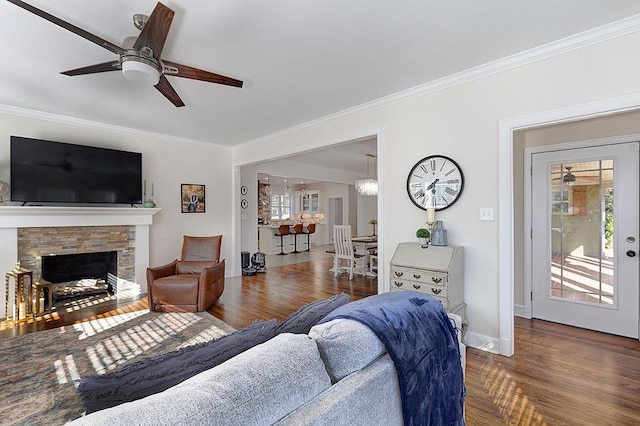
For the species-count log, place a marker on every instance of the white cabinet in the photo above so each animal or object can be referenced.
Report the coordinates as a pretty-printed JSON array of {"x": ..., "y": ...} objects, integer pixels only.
[
  {"x": 435, "y": 270},
  {"x": 307, "y": 201}
]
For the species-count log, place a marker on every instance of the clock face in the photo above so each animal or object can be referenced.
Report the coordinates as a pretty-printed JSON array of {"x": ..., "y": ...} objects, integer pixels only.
[{"x": 435, "y": 181}]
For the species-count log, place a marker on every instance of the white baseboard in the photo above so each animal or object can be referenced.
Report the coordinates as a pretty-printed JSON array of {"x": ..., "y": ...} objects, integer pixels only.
[
  {"x": 482, "y": 342},
  {"x": 519, "y": 310}
]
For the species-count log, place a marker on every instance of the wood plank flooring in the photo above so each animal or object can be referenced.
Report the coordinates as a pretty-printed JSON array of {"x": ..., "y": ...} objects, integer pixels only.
[{"x": 560, "y": 375}]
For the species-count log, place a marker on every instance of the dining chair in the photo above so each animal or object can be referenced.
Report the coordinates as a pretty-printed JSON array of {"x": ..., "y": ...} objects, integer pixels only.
[{"x": 344, "y": 251}]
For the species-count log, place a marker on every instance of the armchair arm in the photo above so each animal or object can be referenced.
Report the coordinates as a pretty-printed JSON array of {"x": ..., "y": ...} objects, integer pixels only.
[
  {"x": 154, "y": 274},
  {"x": 211, "y": 285},
  {"x": 161, "y": 271}
]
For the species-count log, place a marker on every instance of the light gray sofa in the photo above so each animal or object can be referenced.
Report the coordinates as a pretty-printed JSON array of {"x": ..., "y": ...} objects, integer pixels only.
[{"x": 338, "y": 374}]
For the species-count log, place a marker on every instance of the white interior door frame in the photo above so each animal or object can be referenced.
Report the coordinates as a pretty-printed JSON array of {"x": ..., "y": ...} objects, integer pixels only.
[
  {"x": 506, "y": 129},
  {"x": 528, "y": 180}
]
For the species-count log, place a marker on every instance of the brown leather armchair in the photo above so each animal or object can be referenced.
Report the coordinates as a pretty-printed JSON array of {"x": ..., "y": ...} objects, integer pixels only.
[{"x": 191, "y": 284}]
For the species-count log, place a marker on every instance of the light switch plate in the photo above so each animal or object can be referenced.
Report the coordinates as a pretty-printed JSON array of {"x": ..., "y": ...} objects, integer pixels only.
[{"x": 487, "y": 214}]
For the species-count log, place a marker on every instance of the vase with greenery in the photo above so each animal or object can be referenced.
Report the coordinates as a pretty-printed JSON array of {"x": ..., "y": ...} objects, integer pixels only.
[{"x": 423, "y": 235}]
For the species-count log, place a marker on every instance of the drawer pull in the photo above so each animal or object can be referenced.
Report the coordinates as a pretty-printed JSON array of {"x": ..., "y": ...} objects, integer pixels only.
[
  {"x": 436, "y": 290},
  {"x": 398, "y": 273},
  {"x": 398, "y": 283},
  {"x": 436, "y": 280},
  {"x": 416, "y": 276},
  {"x": 416, "y": 286}
]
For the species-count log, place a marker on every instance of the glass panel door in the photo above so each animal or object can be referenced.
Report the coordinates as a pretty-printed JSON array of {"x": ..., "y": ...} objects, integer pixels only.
[
  {"x": 584, "y": 237},
  {"x": 582, "y": 262}
]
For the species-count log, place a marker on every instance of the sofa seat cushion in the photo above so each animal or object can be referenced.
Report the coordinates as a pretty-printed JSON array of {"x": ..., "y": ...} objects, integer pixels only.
[
  {"x": 257, "y": 387},
  {"x": 155, "y": 374},
  {"x": 179, "y": 289},
  {"x": 346, "y": 346}
]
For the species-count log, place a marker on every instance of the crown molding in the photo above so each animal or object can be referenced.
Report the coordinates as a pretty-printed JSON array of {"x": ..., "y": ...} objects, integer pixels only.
[
  {"x": 96, "y": 125},
  {"x": 558, "y": 47}
]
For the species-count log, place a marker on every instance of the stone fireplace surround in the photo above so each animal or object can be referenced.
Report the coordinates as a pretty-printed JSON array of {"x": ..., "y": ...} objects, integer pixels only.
[{"x": 16, "y": 220}]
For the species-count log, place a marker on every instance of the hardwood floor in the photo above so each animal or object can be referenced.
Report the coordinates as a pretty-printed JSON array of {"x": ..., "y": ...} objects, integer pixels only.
[
  {"x": 560, "y": 375},
  {"x": 284, "y": 289}
]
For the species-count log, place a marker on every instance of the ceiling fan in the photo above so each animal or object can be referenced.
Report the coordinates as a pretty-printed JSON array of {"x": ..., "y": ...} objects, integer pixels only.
[{"x": 139, "y": 57}]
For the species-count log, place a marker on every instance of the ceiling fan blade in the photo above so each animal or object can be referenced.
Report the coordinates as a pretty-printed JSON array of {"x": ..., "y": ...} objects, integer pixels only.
[
  {"x": 155, "y": 31},
  {"x": 185, "y": 71},
  {"x": 92, "y": 69},
  {"x": 168, "y": 91},
  {"x": 70, "y": 27}
]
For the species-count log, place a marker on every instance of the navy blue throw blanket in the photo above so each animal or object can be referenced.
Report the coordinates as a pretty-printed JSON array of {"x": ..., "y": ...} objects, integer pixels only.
[{"x": 422, "y": 343}]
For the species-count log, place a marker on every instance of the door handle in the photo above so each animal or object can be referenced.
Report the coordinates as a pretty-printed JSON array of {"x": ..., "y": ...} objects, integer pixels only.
[{"x": 631, "y": 253}]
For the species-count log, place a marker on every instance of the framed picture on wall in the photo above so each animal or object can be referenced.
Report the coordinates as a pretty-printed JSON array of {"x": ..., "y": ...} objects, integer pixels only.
[{"x": 192, "y": 197}]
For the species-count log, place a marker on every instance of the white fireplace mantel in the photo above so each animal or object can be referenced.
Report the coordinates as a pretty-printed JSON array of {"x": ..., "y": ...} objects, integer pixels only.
[
  {"x": 41, "y": 216},
  {"x": 14, "y": 217}
]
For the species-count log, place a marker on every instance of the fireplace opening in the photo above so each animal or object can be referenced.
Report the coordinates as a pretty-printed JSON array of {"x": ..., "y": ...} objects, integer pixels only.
[{"x": 81, "y": 274}]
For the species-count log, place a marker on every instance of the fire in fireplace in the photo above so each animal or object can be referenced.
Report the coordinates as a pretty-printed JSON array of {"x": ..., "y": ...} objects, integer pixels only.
[{"x": 81, "y": 274}]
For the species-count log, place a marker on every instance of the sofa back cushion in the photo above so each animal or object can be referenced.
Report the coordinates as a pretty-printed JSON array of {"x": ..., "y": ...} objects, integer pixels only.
[
  {"x": 301, "y": 321},
  {"x": 346, "y": 346},
  {"x": 257, "y": 387}
]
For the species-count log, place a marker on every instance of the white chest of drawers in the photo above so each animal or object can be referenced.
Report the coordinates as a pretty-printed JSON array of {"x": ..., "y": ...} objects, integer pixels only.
[{"x": 435, "y": 270}]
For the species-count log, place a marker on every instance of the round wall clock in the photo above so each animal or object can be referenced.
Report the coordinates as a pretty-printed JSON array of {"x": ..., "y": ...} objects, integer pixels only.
[{"x": 435, "y": 181}]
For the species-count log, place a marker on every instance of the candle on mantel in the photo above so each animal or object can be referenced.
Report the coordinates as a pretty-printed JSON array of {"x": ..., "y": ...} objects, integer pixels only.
[
  {"x": 151, "y": 189},
  {"x": 431, "y": 215},
  {"x": 145, "y": 187}
]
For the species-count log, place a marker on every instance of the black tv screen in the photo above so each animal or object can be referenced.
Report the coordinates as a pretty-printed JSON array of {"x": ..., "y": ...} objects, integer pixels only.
[{"x": 56, "y": 172}]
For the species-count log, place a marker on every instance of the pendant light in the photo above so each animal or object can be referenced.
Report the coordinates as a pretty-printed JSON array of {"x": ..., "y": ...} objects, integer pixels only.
[
  {"x": 569, "y": 178},
  {"x": 368, "y": 186}
]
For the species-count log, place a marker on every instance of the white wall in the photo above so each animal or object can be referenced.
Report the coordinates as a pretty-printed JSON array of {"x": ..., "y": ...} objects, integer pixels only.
[
  {"x": 165, "y": 163},
  {"x": 367, "y": 210},
  {"x": 462, "y": 122}
]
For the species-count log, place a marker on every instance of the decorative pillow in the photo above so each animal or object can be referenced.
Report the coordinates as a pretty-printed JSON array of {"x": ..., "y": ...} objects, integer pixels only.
[
  {"x": 301, "y": 321},
  {"x": 157, "y": 373},
  {"x": 257, "y": 387},
  {"x": 346, "y": 346},
  {"x": 193, "y": 266}
]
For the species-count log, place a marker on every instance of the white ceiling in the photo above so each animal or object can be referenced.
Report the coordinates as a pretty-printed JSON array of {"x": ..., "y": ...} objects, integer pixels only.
[{"x": 299, "y": 59}]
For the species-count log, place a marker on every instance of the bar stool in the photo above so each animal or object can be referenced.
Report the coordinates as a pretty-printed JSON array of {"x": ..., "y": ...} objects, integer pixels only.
[
  {"x": 283, "y": 231},
  {"x": 297, "y": 230},
  {"x": 311, "y": 228}
]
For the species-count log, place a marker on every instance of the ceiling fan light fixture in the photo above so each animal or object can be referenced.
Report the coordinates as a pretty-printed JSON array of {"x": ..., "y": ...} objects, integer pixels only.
[{"x": 140, "y": 72}]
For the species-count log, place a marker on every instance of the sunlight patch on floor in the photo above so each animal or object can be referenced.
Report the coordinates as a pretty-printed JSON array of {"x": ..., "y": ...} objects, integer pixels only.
[
  {"x": 514, "y": 406},
  {"x": 91, "y": 328},
  {"x": 114, "y": 351}
]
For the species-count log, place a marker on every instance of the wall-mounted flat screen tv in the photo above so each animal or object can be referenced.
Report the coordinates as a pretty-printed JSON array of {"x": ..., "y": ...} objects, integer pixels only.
[{"x": 55, "y": 172}]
